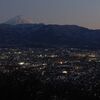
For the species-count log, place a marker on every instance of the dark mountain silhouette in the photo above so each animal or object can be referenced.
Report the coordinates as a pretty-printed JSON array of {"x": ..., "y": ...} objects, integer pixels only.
[{"x": 41, "y": 35}]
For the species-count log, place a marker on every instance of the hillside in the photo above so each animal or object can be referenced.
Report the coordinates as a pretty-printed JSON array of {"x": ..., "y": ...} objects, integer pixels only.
[{"x": 41, "y": 35}]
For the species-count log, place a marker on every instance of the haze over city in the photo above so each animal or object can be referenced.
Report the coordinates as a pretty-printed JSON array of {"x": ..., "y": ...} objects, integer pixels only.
[{"x": 78, "y": 12}]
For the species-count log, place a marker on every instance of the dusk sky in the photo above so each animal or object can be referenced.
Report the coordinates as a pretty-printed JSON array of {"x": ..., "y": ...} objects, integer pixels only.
[{"x": 79, "y": 12}]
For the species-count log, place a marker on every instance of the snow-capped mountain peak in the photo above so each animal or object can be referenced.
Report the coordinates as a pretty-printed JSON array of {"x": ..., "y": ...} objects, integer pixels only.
[{"x": 19, "y": 20}]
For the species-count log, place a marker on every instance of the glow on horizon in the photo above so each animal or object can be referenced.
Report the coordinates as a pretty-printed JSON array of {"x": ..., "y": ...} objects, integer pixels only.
[{"x": 78, "y": 12}]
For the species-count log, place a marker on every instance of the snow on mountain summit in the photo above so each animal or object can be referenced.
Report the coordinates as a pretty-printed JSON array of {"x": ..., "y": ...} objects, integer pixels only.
[{"x": 19, "y": 20}]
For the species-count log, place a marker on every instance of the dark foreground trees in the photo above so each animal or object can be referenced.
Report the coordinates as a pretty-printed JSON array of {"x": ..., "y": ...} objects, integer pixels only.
[{"x": 28, "y": 86}]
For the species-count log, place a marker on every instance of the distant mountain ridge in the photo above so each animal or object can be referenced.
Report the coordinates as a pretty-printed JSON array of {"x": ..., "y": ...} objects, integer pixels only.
[{"x": 41, "y": 35}]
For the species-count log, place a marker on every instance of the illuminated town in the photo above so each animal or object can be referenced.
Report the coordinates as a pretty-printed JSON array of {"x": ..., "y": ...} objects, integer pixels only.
[{"x": 75, "y": 67}]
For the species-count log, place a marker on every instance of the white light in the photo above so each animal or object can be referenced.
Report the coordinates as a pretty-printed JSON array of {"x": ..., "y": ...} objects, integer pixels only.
[
  {"x": 44, "y": 64},
  {"x": 64, "y": 72},
  {"x": 21, "y": 63},
  {"x": 61, "y": 62},
  {"x": 52, "y": 56}
]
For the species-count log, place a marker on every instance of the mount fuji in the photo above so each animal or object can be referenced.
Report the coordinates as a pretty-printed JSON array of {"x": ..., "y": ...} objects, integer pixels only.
[{"x": 19, "y": 20}]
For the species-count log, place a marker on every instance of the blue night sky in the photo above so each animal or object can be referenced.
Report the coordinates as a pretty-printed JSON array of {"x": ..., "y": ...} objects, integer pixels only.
[{"x": 79, "y": 12}]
